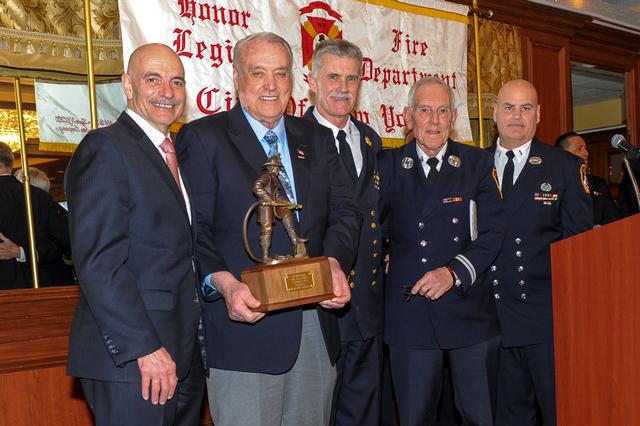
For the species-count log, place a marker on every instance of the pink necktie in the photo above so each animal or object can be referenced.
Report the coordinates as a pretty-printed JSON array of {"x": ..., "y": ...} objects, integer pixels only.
[{"x": 172, "y": 161}]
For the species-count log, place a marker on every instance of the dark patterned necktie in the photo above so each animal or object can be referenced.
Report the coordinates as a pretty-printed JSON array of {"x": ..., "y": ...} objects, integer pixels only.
[
  {"x": 272, "y": 139},
  {"x": 507, "y": 175}
]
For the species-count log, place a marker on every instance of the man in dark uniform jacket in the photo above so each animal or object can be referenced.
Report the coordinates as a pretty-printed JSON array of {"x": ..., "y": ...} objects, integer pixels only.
[
  {"x": 335, "y": 80},
  {"x": 274, "y": 369},
  {"x": 15, "y": 257},
  {"x": 441, "y": 204},
  {"x": 604, "y": 209},
  {"x": 546, "y": 198}
]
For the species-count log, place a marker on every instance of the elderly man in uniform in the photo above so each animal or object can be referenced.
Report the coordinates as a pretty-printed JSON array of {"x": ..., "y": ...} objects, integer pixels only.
[
  {"x": 546, "y": 198},
  {"x": 441, "y": 203},
  {"x": 604, "y": 209},
  {"x": 335, "y": 80}
]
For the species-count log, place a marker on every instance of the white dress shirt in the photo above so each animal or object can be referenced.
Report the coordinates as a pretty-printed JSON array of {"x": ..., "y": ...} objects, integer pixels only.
[
  {"x": 424, "y": 157},
  {"x": 520, "y": 156},
  {"x": 353, "y": 138}
]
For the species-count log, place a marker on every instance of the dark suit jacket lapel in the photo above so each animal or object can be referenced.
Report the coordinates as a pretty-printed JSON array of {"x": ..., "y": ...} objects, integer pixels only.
[
  {"x": 156, "y": 160},
  {"x": 368, "y": 158},
  {"x": 297, "y": 152},
  {"x": 245, "y": 140},
  {"x": 413, "y": 177},
  {"x": 444, "y": 181},
  {"x": 527, "y": 180}
]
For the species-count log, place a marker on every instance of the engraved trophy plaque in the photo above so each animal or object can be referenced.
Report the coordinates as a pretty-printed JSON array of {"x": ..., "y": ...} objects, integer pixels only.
[{"x": 281, "y": 281}]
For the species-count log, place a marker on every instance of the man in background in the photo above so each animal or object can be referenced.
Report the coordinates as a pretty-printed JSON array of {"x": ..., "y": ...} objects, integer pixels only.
[
  {"x": 604, "y": 209},
  {"x": 15, "y": 257},
  {"x": 58, "y": 271},
  {"x": 133, "y": 341},
  {"x": 546, "y": 198},
  {"x": 335, "y": 80}
]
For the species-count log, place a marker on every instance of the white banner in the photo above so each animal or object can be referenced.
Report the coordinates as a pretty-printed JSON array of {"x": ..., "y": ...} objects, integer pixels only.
[
  {"x": 63, "y": 110},
  {"x": 401, "y": 43}
]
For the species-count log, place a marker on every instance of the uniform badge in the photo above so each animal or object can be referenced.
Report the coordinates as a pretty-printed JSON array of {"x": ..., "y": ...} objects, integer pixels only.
[
  {"x": 407, "y": 162},
  {"x": 300, "y": 153},
  {"x": 546, "y": 186},
  {"x": 583, "y": 178},
  {"x": 454, "y": 161},
  {"x": 368, "y": 141},
  {"x": 535, "y": 160}
]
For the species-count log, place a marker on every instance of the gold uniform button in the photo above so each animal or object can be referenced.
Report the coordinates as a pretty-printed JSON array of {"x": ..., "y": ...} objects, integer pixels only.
[
  {"x": 374, "y": 225},
  {"x": 373, "y": 283},
  {"x": 375, "y": 270},
  {"x": 375, "y": 242},
  {"x": 373, "y": 213},
  {"x": 375, "y": 255},
  {"x": 352, "y": 285},
  {"x": 352, "y": 272}
]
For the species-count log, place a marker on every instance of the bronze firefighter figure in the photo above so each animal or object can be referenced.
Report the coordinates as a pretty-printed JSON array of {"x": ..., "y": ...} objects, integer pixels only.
[{"x": 274, "y": 203}]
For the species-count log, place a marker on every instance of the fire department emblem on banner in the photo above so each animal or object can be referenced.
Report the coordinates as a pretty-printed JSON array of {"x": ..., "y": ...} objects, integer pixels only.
[{"x": 318, "y": 21}]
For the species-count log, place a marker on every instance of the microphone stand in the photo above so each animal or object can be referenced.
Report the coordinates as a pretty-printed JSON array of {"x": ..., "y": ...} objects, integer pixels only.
[{"x": 634, "y": 182}]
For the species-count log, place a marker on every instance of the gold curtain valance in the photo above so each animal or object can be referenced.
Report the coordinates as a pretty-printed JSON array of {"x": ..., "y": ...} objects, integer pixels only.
[
  {"x": 500, "y": 61},
  {"x": 45, "y": 39}
]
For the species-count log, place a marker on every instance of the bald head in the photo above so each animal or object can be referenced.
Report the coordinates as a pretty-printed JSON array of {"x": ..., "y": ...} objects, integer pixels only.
[
  {"x": 516, "y": 113},
  {"x": 154, "y": 85}
]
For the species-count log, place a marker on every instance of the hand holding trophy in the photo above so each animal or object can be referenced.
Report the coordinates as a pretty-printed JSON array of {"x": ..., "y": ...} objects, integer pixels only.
[{"x": 282, "y": 281}]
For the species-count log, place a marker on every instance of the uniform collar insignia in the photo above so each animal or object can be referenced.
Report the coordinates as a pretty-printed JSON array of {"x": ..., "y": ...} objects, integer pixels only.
[
  {"x": 407, "y": 163},
  {"x": 454, "y": 160}
]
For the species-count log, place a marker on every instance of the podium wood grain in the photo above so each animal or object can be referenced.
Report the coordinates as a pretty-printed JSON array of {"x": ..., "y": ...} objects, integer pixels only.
[{"x": 596, "y": 294}]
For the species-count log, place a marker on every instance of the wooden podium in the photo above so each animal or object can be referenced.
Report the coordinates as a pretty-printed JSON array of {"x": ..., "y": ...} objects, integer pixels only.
[{"x": 596, "y": 310}]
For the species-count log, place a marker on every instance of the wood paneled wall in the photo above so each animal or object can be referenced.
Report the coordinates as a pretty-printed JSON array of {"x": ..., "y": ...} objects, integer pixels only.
[{"x": 551, "y": 39}]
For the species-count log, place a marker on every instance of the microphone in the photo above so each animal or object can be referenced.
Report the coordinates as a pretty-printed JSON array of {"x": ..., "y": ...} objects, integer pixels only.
[{"x": 619, "y": 142}]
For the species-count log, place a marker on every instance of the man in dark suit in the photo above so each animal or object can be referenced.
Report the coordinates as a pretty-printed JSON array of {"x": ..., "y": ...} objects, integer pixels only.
[
  {"x": 133, "y": 336},
  {"x": 57, "y": 271},
  {"x": 15, "y": 257},
  {"x": 335, "y": 80},
  {"x": 274, "y": 369},
  {"x": 604, "y": 209},
  {"x": 546, "y": 198},
  {"x": 441, "y": 206}
]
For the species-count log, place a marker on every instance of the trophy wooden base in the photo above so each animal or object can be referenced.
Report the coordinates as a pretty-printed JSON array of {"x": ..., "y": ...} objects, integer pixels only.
[{"x": 290, "y": 283}]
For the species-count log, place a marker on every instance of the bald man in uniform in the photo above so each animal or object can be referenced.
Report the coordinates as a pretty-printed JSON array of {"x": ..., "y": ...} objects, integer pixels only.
[{"x": 546, "y": 199}]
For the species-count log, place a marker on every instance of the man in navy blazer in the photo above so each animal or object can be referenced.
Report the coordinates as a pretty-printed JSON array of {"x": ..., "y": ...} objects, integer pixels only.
[
  {"x": 15, "y": 262},
  {"x": 277, "y": 368},
  {"x": 335, "y": 80},
  {"x": 441, "y": 206},
  {"x": 133, "y": 336},
  {"x": 546, "y": 198}
]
